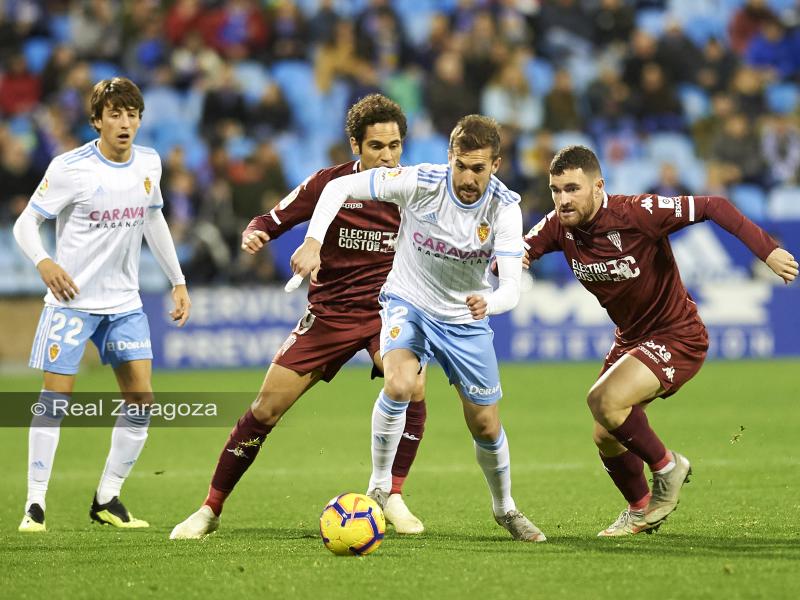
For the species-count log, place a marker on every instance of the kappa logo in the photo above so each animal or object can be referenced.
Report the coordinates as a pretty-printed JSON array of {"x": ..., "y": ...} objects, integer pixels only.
[
  {"x": 352, "y": 205},
  {"x": 647, "y": 204},
  {"x": 148, "y": 185},
  {"x": 669, "y": 372},
  {"x": 615, "y": 238},
  {"x": 394, "y": 332},
  {"x": 483, "y": 232},
  {"x": 53, "y": 351}
]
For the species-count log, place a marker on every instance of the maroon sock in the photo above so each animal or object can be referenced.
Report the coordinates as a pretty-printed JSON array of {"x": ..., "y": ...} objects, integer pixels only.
[
  {"x": 627, "y": 472},
  {"x": 637, "y": 436},
  {"x": 409, "y": 444},
  {"x": 238, "y": 454}
]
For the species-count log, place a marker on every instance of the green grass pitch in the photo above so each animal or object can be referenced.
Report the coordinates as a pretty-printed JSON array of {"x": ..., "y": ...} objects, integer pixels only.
[{"x": 735, "y": 534}]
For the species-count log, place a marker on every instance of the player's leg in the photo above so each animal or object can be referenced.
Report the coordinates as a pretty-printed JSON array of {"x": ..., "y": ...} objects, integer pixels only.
[
  {"x": 280, "y": 389},
  {"x": 401, "y": 369},
  {"x": 57, "y": 350},
  {"x": 123, "y": 341},
  {"x": 494, "y": 458},
  {"x": 616, "y": 401},
  {"x": 395, "y": 510}
]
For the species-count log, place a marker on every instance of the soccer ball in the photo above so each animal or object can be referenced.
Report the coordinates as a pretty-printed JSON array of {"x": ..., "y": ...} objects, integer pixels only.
[{"x": 352, "y": 524}]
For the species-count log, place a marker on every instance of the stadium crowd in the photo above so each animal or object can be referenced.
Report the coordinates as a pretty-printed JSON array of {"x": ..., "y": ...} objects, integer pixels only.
[{"x": 245, "y": 99}]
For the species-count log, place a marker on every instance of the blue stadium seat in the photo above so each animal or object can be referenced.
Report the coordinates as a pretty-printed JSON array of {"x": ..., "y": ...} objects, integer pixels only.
[
  {"x": 58, "y": 24},
  {"x": 430, "y": 149},
  {"x": 784, "y": 203},
  {"x": 701, "y": 28},
  {"x": 695, "y": 102},
  {"x": 539, "y": 73},
  {"x": 163, "y": 106},
  {"x": 37, "y": 52},
  {"x": 674, "y": 148},
  {"x": 632, "y": 176},
  {"x": 782, "y": 97},
  {"x": 750, "y": 199},
  {"x": 105, "y": 70},
  {"x": 253, "y": 79},
  {"x": 572, "y": 138},
  {"x": 652, "y": 21}
]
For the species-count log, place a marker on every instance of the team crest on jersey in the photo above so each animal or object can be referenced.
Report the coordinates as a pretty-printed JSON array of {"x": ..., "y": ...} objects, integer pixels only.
[
  {"x": 53, "y": 351},
  {"x": 42, "y": 189},
  {"x": 615, "y": 238},
  {"x": 394, "y": 332},
  {"x": 148, "y": 185},
  {"x": 483, "y": 232}
]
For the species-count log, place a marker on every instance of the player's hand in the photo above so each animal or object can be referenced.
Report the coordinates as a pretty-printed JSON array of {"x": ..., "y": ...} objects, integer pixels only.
[
  {"x": 57, "y": 280},
  {"x": 526, "y": 261},
  {"x": 180, "y": 296},
  {"x": 305, "y": 259},
  {"x": 783, "y": 263},
  {"x": 254, "y": 241},
  {"x": 477, "y": 306}
]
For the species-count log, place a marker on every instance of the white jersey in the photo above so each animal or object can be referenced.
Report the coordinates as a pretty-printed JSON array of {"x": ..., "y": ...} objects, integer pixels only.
[
  {"x": 100, "y": 208},
  {"x": 444, "y": 247}
]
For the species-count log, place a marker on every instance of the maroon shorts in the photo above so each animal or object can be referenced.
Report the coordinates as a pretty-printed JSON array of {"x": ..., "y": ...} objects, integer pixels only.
[
  {"x": 326, "y": 342},
  {"x": 674, "y": 357}
]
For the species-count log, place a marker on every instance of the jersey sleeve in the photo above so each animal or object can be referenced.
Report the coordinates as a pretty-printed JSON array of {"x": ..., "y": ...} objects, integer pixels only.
[
  {"x": 157, "y": 200},
  {"x": 295, "y": 208},
  {"x": 543, "y": 237},
  {"x": 57, "y": 190},
  {"x": 508, "y": 236},
  {"x": 671, "y": 214},
  {"x": 398, "y": 185}
]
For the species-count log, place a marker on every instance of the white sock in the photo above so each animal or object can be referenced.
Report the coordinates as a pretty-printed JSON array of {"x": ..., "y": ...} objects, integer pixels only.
[
  {"x": 495, "y": 460},
  {"x": 665, "y": 469},
  {"x": 127, "y": 441},
  {"x": 43, "y": 438},
  {"x": 388, "y": 422}
]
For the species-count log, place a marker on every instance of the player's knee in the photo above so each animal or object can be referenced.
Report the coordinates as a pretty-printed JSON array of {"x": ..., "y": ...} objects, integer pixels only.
[
  {"x": 602, "y": 439},
  {"x": 142, "y": 398},
  {"x": 266, "y": 411},
  {"x": 599, "y": 402},
  {"x": 399, "y": 386}
]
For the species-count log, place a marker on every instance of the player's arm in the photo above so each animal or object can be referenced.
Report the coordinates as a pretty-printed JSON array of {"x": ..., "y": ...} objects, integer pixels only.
[
  {"x": 295, "y": 208},
  {"x": 159, "y": 239},
  {"x": 672, "y": 214},
  {"x": 57, "y": 190},
  {"x": 508, "y": 252},
  {"x": 388, "y": 185}
]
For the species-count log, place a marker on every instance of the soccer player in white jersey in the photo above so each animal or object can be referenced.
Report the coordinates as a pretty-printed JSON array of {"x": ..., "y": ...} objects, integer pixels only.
[
  {"x": 438, "y": 295},
  {"x": 104, "y": 196}
]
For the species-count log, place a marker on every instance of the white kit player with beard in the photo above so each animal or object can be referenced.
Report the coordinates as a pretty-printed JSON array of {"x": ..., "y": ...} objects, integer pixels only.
[
  {"x": 105, "y": 197},
  {"x": 437, "y": 297}
]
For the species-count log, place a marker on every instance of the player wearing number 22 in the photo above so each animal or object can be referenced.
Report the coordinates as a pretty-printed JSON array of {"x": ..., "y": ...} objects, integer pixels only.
[
  {"x": 104, "y": 197},
  {"x": 437, "y": 296},
  {"x": 618, "y": 248}
]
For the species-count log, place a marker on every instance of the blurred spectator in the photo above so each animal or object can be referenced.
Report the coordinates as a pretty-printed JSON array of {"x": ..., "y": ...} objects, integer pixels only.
[
  {"x": 440, "y": 38},
  {"x": 20, "y": 89},
  {"x": 322, "y": 25},
  {"x": 251, "y": 178},
  {"x": 223, "y": 102},
  {"x": 736, "y": 149},
  {"x": 447, "y": 95},
  {"x": 775, "y": 49},
  {"x": 508, "y": 100},
  {"x": 19, "y": 178},
  {"x": 642, "y": 50},
  {"x": 748, "y": 92},
  {"x": 194, "y": 60},
  {"x": 271, "y": 114},
  {"x": 236, "y": 29},
  {"x": 561, "y": 105},
  {"x": 479, "y": 52},
  {"x": 705, "y": 130},
  {"x": 715, "y": 67},
  {"x": 677, "y": 54},
  {"x": 614, "y": 21},
  {"x": 382, "y": 37},
  {"x": 746, "y": 23},
  {"x": 669, "y": 183},
  {"x": 340, "y": 58},
  {"x": 56, "y": 69},
  {"x": 289, "y": 33},
  {"x": 780, "y": 143},
  {"x": 565, "y": 27},
  {"x": 656, "y": 103},
  {"x": 96, "y": 27},
  {"x": 183, "y": 18}
]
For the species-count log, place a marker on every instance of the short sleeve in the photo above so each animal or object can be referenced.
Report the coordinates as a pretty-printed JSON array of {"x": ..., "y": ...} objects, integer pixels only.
[
  {"x": 398, "y": 185},
  {"x": 58, "y": 189},
  {"x": 508, "y": 237}
]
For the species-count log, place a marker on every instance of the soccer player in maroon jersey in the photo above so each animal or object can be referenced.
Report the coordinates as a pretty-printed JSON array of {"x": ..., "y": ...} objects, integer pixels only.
[
  {"x": 342, "y": 316},
  {"x": 618, "y": 248}
]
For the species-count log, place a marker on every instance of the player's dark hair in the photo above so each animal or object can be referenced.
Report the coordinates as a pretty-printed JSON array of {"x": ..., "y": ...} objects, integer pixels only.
[
  {"x": 475, "y": 132},
  {"x": 120, "y": 93},
  {"x": 375, "y": 108},
  {"x": 575, "y": 157}
]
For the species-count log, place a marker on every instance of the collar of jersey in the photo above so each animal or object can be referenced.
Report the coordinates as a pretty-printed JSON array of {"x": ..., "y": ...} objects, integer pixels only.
[
  {"x": 458, "y": 202},
  {"x": 590, "y": 225},
  {"x": 111, "y": 163}
]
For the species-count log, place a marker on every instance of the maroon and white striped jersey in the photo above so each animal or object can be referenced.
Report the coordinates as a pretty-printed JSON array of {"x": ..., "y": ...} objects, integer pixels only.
[
  {"x": 358, "y": 250},
  {"x": 623, "y": 256}
]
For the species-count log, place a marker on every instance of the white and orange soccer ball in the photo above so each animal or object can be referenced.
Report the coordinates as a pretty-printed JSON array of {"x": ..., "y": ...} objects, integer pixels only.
[{"x": 352, "y": 525}]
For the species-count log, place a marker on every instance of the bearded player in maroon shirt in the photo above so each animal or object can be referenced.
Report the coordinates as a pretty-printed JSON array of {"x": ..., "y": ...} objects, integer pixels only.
[
  {"x": 618, "y": 248},
  {"x": 342, "y": 316}
]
